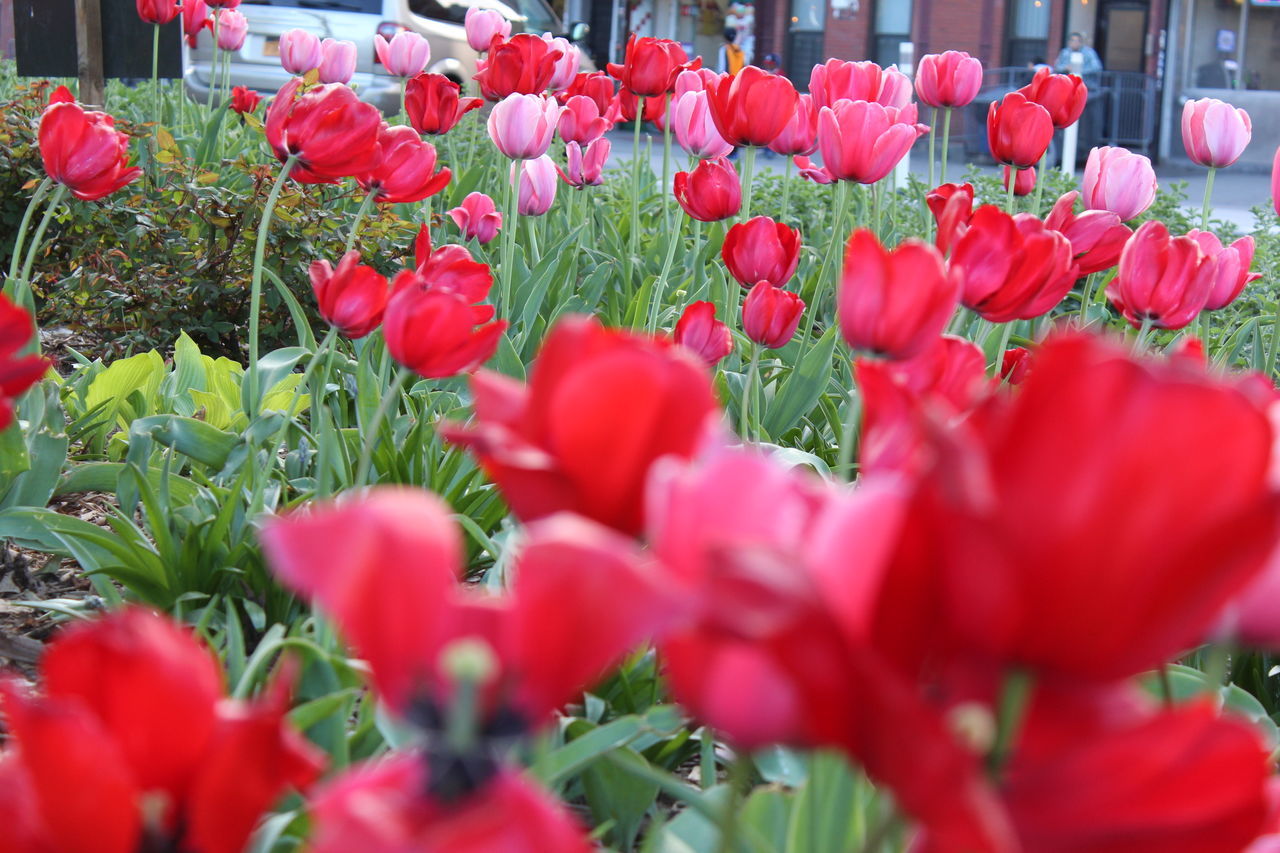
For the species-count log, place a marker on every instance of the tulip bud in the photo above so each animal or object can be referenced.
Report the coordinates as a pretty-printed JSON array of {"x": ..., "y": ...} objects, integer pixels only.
[
  {"x": 537, "y": 185},
  {"x": 710, "y": 192},
  {"x": 1230, "y": 267},
  {"x": 158, "y": 12},
  {"x": 244, "y": 100},
  {"x": 433, "y": 103},
  {"x": 1119, "y": 181},
  {"x": 82, "y": 150},
  {"x": 700, "y": 331},
  {"x": 1018, "y": 130},
  {"x": 770, "y": 315},
  {"x": 566, "y": 67},
  {"x": 232, "y": 28},
  {"x": 800, "y": 136},
  {"x": 300, "y": 51},
  {"x": 837, "y": 80},
  {"x": 522, "y": 125},
  {"x": 948, "y": 80},
  {"x": 338, "y": 61},
  {"x": 1024, "y": 183},
  {"x": 1215, "y": 133},
  {"x": 581, "y": 121},
  {"x": 482, "y": 25}
]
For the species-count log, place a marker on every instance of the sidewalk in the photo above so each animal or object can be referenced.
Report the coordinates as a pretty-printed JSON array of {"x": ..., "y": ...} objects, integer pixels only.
[{"x": 1234, "y": 191}]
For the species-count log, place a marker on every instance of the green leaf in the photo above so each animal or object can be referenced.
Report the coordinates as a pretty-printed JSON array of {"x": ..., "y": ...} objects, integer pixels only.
[
  {"x": 613, "y": 794},
  {"x": 1186, "y": 682},
  {"x": 580, "y": 752},
  {"x": 112, "y": 387},
  {"x": 103, "y": 476},
  {"x": 201, "y": 441},
  {"x": 802, "y": 387}
]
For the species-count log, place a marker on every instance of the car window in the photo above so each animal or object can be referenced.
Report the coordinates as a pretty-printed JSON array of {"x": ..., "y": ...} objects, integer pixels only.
[
  {"x": 436, "y": 10},
  {"x": 530, "y": 16},
  {"x": 372, "y": 7}
]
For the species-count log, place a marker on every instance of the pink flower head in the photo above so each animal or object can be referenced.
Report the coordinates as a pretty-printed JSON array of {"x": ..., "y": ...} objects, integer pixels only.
[
  {"x": 863, "y": 141},
  {"x": 338, "y": 61},
  {"x": 477, "y": 217},
  {"x": 566, "y": 67},
  {"x": 800, "y": 136},
  {"x": 694, "y": 128},
  {"x": 232, "y": 28},
  {"x": 300, "y": 51},
  {"x": 585, "y": 168},
  {"x": 405, "y": 55},
  {"x": 581, "y": 121},
  {"x": 1230, "y": 267},
  {"x": 522, "y": 125},
  {"x": 1097, "y": 236},
  {"x": 537, "y": 185},
  {"x": 482, "y": 25},
  {"x": 1120, "y": 181},
  {"x": 1215, "y": 133},
  {"x": 949, "y": 79},
  {"x": 837, "y": 80}
]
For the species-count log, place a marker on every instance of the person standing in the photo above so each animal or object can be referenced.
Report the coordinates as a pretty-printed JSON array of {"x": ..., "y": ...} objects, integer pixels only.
[
  {"x": 732, "y": 57},
  {"x": 1091, "y": 66}
]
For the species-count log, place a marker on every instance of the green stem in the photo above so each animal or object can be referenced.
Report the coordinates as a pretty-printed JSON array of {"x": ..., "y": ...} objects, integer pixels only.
[
  {"x": 739, "y": 779},
  {"x": 633, "y": 238},
  {"x": 786, "y": 186},
  {"x": 316, "y": 400},
  {"x": 848, "y": 436},
  {"x": 833, "y": 242},
  {"x": 748, "y": 391},
  {"x": 155, "y": 74},
  {"x": 22, "y": 289},
  {"x": 1140, "y": 342},
  {"x": 255, "y": 288},
  {"x": 1013, "y": 183},
  {"x": 665, "y": 189},
  {"x": 933, "y": 122},
  {"x": 509, "y": 225},
  {"x": 1040, "y": 176},
  {"x": 707, "y": 758},
  {"x": 1005, "y": 333},
  {"x": 748, "y": 174},
  {"x": 1087, "y": 295},
  {"x": 1015, "y": 695},
  {"x": 535, "y": 254},
  {"x": 371, "y": 437},
  {"x": 359, "y": 220},
  {"x": 213, "y": 65},
  {"x": 320, "y": 412},
  {"x": 15, "y": 262},
  {"x": 946, "y": 140},
  {"x": 660, "y": 287},
  {"x": 1208, "y": 191}
]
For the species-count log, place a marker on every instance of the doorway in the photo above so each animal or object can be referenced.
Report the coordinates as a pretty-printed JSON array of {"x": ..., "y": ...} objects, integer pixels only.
[{"x": 1122, "y": 35}]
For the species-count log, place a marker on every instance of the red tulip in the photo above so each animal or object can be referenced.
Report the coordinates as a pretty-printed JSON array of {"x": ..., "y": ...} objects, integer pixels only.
[
  {"x": 482, "y": 25},
  {"x": 17, "y": 372},
  {"x": 1119, "y": 181},
  {"x": 650, "y": 67},
  {"x": 1063, "y": 95},
  {"x": 1097, "y": 236},
  {"x": 952, "y": 207},
  {"x": 477, "y": 217},
  {"x": 863, "y": 141},
  {"x": 751, "y": 107},
  {"x": 596, "y": 85},
  {"x": 949, "y": 79},
  {"x": 244, "y": 100},
  {"x": 433, "y": 105},
  {"x": 1012, "y": 267},
  {"x": 1163, "y": 280},
  {"x": 837, "y": 80},
  {"x": 521, "y": 65},
  {"x": 1015, "y": 364},
  {"x": 573, "y": 579},
  {"x": 1019, "y": 130},
  {"x": 435, "y": 330},
  {"x": 352, "y": 297},
  {"x": 600, "y": 407},
  {"x": 195, "y": 17},
  {"x": 452, "y": 269},
  {"x": 389, "y": 807},
  {"x": 800, "y": 135},
  {"x": 1023, "y": 183},
  {"x": 761, "y": 249},
  {"x": 623, "y": 108},
  {"x": 132, "y": 743},
  {"x": 710, "y": 192},
  {"x": 581, "y": 121},
  {"x": 1215, "y": 133},
  {"x": 158, "y": 12},
  {"x": 770, "y": 315},
  {"x": 700, "y": 331},
  {"x": 895, "y": 303},
  {"x": 83, "y": 151},
  {"x": 333, "y": 133},
  {"x": 1185, "y": 529},
  {"x": 406, "y": 171},
  {"x": 1230, "y": 267}
]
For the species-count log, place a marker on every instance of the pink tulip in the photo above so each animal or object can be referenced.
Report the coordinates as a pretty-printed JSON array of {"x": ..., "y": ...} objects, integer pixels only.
[
  {"x": 1120, "y": 181},
  {"x": 1162, "y": 280},
  {"x": 1214, "y": 133},
  {"x": 812, "y": 171},
  {"x": 1230, "y": 267},
  {"x": 482, "y": 25},
  {"x": 858, "y": 81},
  {"x": 800, "y": 136},
  {"x": 581, "y": 121},
  {"x": 1023, "y": 184},
  {"x": 694, "y": 80},
  {"x": 338, "y": 62},
  {"x": 1097, "y": 236},
  {"x": 232, "y": 29},
  {"x": 567, "y": 66},
  {"x": 862, "y": 141},
  {"x": 1275, "y": 182},
  {"x": 300, "y": 51},
  {"x": 406, "y": 55},
  {"x": 694, "y": 127},
  {"x": 948, "y": 80},
  {"x": 586, "y": 168},
  {"x": 537, "y": 185},
  {"x": 477, "y": 217},
  {"x": 522, "y": 125}
]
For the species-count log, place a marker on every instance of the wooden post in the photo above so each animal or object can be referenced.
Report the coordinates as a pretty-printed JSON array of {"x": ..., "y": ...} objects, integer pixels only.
[{"x": 89, "y": 52}]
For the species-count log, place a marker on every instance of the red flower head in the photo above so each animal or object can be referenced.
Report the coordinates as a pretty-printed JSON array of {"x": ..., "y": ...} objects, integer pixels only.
[
  {"x": 751, "y": 107},
  {"x": 406, "y": 171},
  {"x": 1097, "y": 236},
  {"x": 523, "y": 64},
  {"x": 710, "y": 192},
  {"x": 1063, "y": 95},
  {"x": 333, "y": 133},
  {"x": 352, "y": 297},
  {"x": 157, "y": 12},
  {"x": 700, "y": 331},
  {"x": 770, "y": 315},
  {"x": 623, "y": 108},
  {"x": 133, "y": 744},
  {"x": 17, "y": 372},
  {"x": 761, "y": 250},
  {"x": 651, "y": 65},
  {"x": 1018, "y": 130},
  {"x": 837, "y": 80},
  {"x": 949, "y": 79},
  {"x": 433, "y": 103},
  {"x": 596, "y": 85},
  {"x": 195, "y": 17},
  {"x": 582, "y": 121},
  {"x": 1162, "y": 279},
  {"x": 863, "y": 141},
  {"x": 1023, "y": 182},
  {"x": 244, "y": 100},
  {"x": 600, "y": 407},
  {"x": 952, "y": 207},
  {"x": 895, "y": 303},
  {"x": 83, "y": 151},
  {"x": 1012, "y": 267},
  {"x": 800, "y": 135}
]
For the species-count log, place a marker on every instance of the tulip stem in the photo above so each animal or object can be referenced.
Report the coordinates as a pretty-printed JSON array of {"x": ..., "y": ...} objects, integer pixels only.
[
  {"x": 786, "y": 187},
  {"x": 1086, "y": 296},
  {"x": 359, "y": 220},
  {"x": 848, "y": 438},
  {"x": 15, "y": 263},
  {"x": 998, "y": 362},
  {"x": 155, "y": 75},
  {"x": 371, "y": 436},
  {"x": 509, "y": 225},
  {"x": 748, "y": 174},
  {"x": 748, "y": 391},
  {"x": 1208, "y": 191},
  {"x": 633, "y": 238},
  {"x": 213, "y": 65},
  {"x": 22, "y": 291},
  {"x": 739, "y": 780},
  {"x": 316, "y": 400},
  {"x": 255, "y": 288},
  {"x": 933, "y": 122},
  {"x": 666, "y": 162},
  {"x": 660, "y": 287},
  {"x": 1015, "y": 694},
  {"x": 837, "y": 217},
  {"x": 707, "y": 758},
  {"x": 1040, "y": 175},
  {"x": 946, "y": 140},
  {"x": 1141, "y": 341},
  {"x": 1013, "y": 184}
]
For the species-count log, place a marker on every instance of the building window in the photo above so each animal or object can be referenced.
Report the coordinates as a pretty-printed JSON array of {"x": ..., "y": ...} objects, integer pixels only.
[
  {"x": 893, "y": 27},
  {"x": 1028, "y": 39}
]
